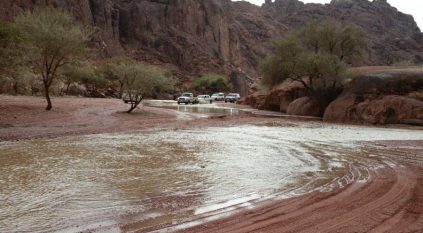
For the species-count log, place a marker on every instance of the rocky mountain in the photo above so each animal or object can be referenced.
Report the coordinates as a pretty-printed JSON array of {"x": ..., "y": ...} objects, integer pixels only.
[
  {"x": 393, "y": 36},
  {"x": 193, "y": 37}
]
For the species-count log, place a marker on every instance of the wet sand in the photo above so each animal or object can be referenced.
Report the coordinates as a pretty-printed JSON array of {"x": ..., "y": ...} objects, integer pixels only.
[
  {"x": 390, "y": 201},
  {"x": 23, "y": 117}
]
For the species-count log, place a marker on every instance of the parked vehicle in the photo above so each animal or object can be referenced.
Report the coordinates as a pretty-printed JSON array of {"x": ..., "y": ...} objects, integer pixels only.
[
  {"x": 204, "y": 99},
  {"x": 218, "y": 96},
  {"x": 232, "y": 97},
  {"x": 187, "y": 98}
]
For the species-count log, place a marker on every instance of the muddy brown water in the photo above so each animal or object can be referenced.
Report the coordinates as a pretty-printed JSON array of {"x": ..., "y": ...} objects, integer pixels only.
[{"x": 107, "y": 181}]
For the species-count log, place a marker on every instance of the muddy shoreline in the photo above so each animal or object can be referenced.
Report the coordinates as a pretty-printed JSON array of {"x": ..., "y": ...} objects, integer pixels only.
[
  {"x": 23, "y": 117},
  {"x": 390, "y": 201}
]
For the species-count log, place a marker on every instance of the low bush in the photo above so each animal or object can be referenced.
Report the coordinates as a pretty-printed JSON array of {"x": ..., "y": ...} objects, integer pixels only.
[{"x": 212, "y": 83}]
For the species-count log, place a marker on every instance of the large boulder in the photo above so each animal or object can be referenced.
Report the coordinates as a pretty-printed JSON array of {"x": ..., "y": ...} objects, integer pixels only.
[
  {"x": 388, "y": 98},
  {"x": 304, "y": 106},
  {"x": 280, "y": 98},
  {"x": 255, "y": 100}
]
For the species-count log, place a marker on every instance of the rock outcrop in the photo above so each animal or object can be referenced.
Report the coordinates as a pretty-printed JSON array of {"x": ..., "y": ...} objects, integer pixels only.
[
  {"x": 389, "y": 98},
  {"x": 304, "y": 106},
  {"x": 255, "y": 100},
  {"x": 193, "y": 37},
  {"x": 280, "y": 98}
]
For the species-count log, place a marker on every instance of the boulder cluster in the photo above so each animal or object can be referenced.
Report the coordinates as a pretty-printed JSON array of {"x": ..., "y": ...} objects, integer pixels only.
[{"x": 394, "y": 97}]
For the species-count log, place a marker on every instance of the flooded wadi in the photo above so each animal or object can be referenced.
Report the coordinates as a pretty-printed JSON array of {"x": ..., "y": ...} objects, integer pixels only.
[
  {"x": 207, "y": 109},
  {"x": 160, "y": 179}
]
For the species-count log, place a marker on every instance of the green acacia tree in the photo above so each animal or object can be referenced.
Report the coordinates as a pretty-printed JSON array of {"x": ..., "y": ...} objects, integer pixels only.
[
  {"x": 317, "y": 56},
  {"x": 52, "y": 39},
  {"x": 347, "y": 42},
  {"x": 139, "y": 80},
  {"x": 11, "y": 56},
  {"x": 115, "y": 69}
]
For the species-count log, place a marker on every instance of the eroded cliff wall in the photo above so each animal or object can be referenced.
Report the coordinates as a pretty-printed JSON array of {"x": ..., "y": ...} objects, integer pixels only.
[{"x": 193, "y": 37}]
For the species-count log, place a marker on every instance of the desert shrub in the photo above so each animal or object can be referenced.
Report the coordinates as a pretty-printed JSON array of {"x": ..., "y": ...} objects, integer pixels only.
[
  {"x": 11, "y": 57},
  {"x": 212, "y": 83}
]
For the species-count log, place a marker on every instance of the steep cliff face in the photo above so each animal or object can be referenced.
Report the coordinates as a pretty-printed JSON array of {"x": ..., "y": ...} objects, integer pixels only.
[
  {"x": 103, "y": 14},
  {"x": 190, "y": 37},
  {"x": 200, "y": 36},
  {"x": 193, "y": 37}
]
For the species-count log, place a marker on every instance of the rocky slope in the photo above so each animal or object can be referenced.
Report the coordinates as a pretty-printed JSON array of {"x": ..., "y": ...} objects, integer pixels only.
[
  {"x": 393, "y": 36},
  {"x": 380, "y": 98},
  {"x": 193, "y": 37}
]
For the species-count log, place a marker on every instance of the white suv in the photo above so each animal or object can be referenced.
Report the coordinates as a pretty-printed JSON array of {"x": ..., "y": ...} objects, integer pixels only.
[
  {"x": 218, "y": 96},
  {"x": 232, "y": 97},
  {"x": 204, "y": 99},
  {"x": 186, "y": 98}
]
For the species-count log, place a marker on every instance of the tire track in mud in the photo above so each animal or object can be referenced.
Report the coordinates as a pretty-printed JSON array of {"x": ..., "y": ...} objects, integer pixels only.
[{"x": 390, "y": 201}]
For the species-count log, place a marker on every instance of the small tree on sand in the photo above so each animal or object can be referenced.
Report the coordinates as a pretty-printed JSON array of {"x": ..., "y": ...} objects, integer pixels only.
[
  {"x": 52, "y": 39},
  {"x": 316, "y": 56},
  {"x": 141, "y": 81},
  {"x": 114, "y": 70}
]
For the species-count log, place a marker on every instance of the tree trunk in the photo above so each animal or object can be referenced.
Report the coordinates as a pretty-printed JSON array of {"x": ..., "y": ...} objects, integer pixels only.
[
  {"x": 47, "y": 95},
  {"x": 131, "y": 109},
  {"x": 67, "y": 88},
  {"x": 121, "y": 89},
  {"x": 134, "y": 105},
  {"x": 15, "y": 88}
]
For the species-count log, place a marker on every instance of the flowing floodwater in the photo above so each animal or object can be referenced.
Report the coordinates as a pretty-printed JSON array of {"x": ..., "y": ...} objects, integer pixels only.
[
  {"x": 196, "y": 108},
  {"x": 142, "y": 180}
]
